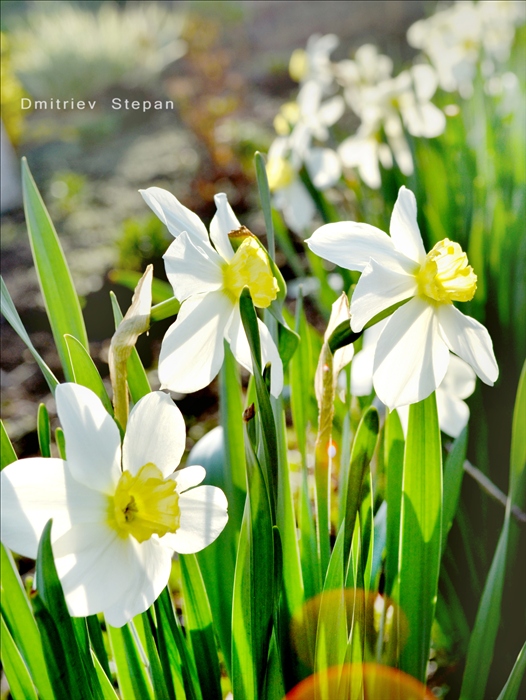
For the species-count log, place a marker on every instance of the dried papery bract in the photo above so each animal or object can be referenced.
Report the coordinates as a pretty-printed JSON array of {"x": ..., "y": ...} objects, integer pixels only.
[{"x": 135, "y": 322}]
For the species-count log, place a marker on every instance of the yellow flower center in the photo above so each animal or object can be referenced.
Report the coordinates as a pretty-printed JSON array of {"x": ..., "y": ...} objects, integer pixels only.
[
  {"x": 250, "y": 268},
  {"x": 445, "y": 275},
  {"x": 289, "y": 115},
  {"x": 280, "y": 173},
  {"x": 145, "y": 504}
]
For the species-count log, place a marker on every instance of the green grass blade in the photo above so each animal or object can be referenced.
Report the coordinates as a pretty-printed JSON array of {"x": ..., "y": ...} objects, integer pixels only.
[
  {"x": 7, "y": 451},
  {"x": 54, "y": 654},
  {"x": 264, "y": 195},
  {"x": 11, "y": 314},
  {"x": 421, "y": 534},
  {"x": 199, "y": 627},
  {"x": 20, "y": 683},
  {"x": 131, "y": 674},
  {"x": 60, "y": 297},
  {"x": 108, "y": 691},
  {"x": 22, "y": 625},
  {"x": 394, "y": 467},
  {"x": 361, "y": 455},
  {"x": 482, "y": 642},
  {"x": 177, "y": 647},
  {"x": 97, "y": 643},
  {"x": 81, "y": 672},
  {"x": 85, "y": 371},
  {"x": 453, "y": 474},
  {"x": 60, "y": 441},
  {"x": 138, "y": 383},
  {"x": 44, "y": 431},
  {"x": 148, "y": 634},
  {"x": 512, "y": 687},
  {"x": 254, "y": 588}
]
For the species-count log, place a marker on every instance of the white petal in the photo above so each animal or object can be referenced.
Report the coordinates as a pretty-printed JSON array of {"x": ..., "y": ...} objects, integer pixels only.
[
  {"x": 238, "y": 341},
  {"x": 203, "y": 517},
  {"x": 324, "y": 167},
  {"x": 37, "y": 489},
  {"x": 411, "y": 358},
  {"x": 155, "y": 433},
  {"x": 404, "y": 227},
  {"x": 453, "y": 413},
  {"x": 297, "y": 206},
  {"x": 93, "y": 564},
  {"x": 424, "y": 120},
  {"x": 148, "y": 573},
  {"x": 192, "y": 350},
  {"x": 469, "y": 340},
  {"x": 460, "y": 379},
  {"x": 188, "y": 477},
  {"x": 425, "y": 81},
  {"x": 192, "y": 267},
  {"x": 331, "y": 110},
  {"x": 351, "y": 245},
  {"x": 379, "y": 288},
  {"x": 269, "y": 353},
  {"x": 222, "y": 224},
  {"x": 93, "y": 442},
  {"x": 173, "y": 214},
  {"x": 362, "y": 372}
]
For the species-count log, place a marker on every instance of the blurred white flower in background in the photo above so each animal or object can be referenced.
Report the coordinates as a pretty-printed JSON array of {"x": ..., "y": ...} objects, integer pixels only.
[
  {"x": 457, "y": 385},
  {"x": 457, "y": 38},
  {"x": 386, "y": 108},
  {"x": 299, "y": 123},
  {"x": 313, "y": 63}
]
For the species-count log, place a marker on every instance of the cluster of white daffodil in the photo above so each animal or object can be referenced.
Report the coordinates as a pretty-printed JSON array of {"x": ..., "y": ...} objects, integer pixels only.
[
  {"x": 466, "y": 35},
  {"x": 120, "y": 512},
  {"x": 389, "y": 107}
]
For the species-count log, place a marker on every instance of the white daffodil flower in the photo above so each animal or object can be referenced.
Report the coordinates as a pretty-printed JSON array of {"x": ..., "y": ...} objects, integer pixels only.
[
  {"x": 119, "y": 513},
  {"x": 299, "y": 123},
  {"x": 208, "y": 280},
  {"x": 313, "y": 62},
  {"x": 412, "y": 355},
  {"x": 457, "y": 385},
  {"x": 457, "y": 38},
  {"x": 368, "y": 68},
  {"x": 387, "y": 107}
]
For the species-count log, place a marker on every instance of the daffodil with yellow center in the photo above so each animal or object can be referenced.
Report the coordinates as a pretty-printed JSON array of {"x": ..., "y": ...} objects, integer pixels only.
[
  {"x": 208, "y": 276},
  {"x": 413, "y": 351},
  {"x": 119, "y": 512}
]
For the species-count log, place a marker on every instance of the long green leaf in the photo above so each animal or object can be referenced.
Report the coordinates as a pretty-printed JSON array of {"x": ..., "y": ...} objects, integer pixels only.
[
  {"x": 482, "y": 642},
  {"x": 85, "y": 371},
  {"x": 81, "y": 672},
  {"x": 11, "y": 314},
  {"x": 199, "y": 627},
  {"x": 60, "y": 297},
  {"x": 254, "y": 588},
  {"x": 18, "y": 677},
  {"x": 7, "y": 451},
  {"x": 108, "y": 691},
  {"x": 453, "y": 473},
  {"x": 361, "y": 455},
  {"x": 394, "y": 468},
  {"x": 44, "y": 431},
  {"x": 131, "y": 674},
  {"x": 512, "y": 687},
  {"x": 421, "y": 534},
  {"x": 22, "y": 625}
]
